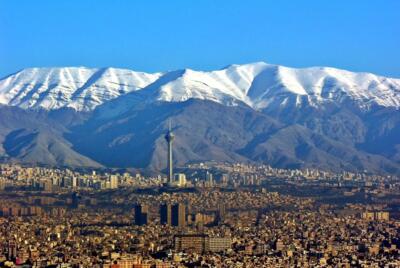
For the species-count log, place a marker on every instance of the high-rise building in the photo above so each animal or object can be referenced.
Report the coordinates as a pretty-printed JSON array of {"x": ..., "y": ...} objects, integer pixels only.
[
  {"x": 165, "y": 214},
  {"x": 382, "y": 215},
  {"x": 75, "y": 200},
  {"x": 2, "y": 185},
  {"x": 219, "y": 244},
  {"x": 12, "y": 250},
  {"x": 279, "y": 245},
  {"x": 209, "y": 179},
  {"x": 201, "y": 243},
  {"x": 377, "y": 215},
  {"x": 113, "y": 182},
  {"x": 48, "y": 186},
  {"x": 180, "y": 179},
  {"x": 178, "y": 215},
  {"x": 191, "y": 242},
  {"x": 221, "y": 211},
  {"x": 74, "y": 182},
  {"x": 141, "y": 214},
  {"x": 169, "y": 137},
  {"x": 67, "y": 182},
  {"x": 224, "y": 179}
]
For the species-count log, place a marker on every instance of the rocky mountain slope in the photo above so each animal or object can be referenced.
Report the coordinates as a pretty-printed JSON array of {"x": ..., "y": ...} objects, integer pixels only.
[{"x": 312, "y": 117}]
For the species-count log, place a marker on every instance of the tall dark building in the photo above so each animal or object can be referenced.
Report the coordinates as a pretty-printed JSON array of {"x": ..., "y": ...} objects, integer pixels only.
[
  {"x": 178, "y": 215},
  {"x": 165, "y": 214},
  {"x": 75, "y": 200},
  {"x": 141, "y": 214},
  {"x": 169, "y": 137},
  {"x": 12, "y": 250},
  {"x": 221, "y": 212}
]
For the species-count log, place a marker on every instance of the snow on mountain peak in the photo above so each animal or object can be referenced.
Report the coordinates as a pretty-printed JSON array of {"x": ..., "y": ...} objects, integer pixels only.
[
  {"x": 79, "y": 88},
  {"x": 259, "y": 85}
]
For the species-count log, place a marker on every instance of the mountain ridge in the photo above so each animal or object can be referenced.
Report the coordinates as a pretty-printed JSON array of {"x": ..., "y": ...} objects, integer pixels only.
[
  {"x": 258, "y": 84},
  {"x": 261, "y": 113}
]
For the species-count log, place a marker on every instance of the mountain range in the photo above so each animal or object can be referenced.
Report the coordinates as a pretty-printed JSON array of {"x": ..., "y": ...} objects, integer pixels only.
[{"x": 261, "y": 113}]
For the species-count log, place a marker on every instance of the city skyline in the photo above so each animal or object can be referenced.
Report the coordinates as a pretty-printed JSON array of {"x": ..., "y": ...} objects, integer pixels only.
[{"x": 252, "y": 215}]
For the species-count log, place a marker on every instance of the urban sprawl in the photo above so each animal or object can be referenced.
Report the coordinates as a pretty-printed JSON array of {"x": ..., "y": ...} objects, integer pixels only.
[{"x": 205, "y": 215}]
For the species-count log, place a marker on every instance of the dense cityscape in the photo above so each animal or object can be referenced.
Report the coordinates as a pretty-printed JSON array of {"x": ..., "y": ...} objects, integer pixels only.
[{"x": 208, "y": 215}]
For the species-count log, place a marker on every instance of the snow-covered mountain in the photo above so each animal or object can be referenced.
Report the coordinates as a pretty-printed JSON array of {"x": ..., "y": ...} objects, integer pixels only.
[
  {"x": 294, "y": 118},
  {"x": 76, "y": 87},
  {"x": 260, "y": 85}
]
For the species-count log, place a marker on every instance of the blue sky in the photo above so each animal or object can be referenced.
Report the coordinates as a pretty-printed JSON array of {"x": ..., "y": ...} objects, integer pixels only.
[{"x": 358, "y": 35}]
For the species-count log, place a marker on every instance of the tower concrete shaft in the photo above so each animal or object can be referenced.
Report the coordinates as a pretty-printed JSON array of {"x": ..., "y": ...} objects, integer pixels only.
[
  {"x": 170, "y": 167},
  {"x": 170, "y": 138}
]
